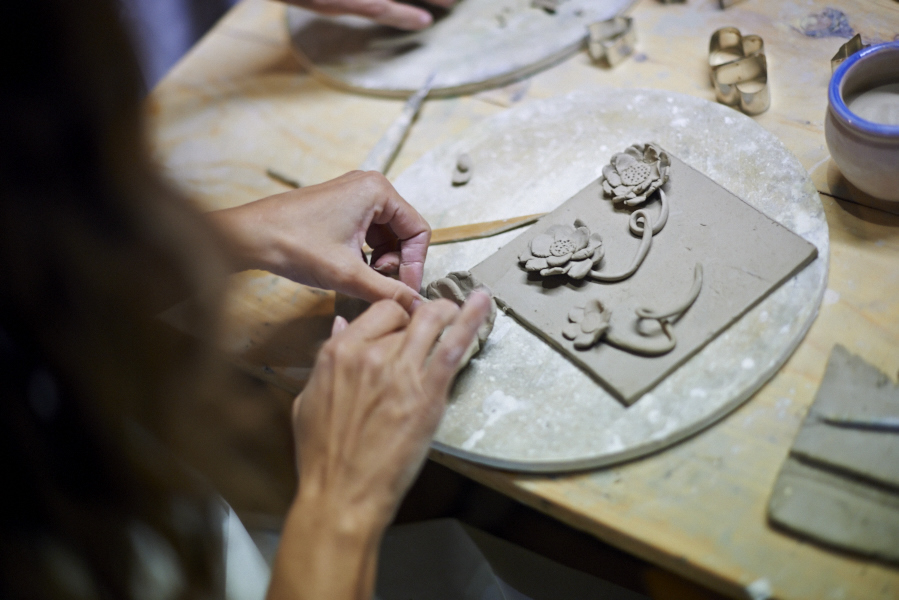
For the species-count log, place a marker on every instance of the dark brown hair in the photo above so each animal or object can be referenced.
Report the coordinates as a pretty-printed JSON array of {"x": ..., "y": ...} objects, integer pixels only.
[{"x": 98, "y": 399}]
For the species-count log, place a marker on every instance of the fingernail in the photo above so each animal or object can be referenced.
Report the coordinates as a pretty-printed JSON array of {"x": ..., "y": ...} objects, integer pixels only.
[{"x": 339, "y": 325}]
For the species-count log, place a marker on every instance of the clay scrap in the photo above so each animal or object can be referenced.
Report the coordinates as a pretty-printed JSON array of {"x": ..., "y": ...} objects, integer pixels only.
[
  {"x": 584, "y": 277},
  {"x": 462, "y": 170},
  {"x": 840, "y": 483},
  {"x": 549, "y": 6}
]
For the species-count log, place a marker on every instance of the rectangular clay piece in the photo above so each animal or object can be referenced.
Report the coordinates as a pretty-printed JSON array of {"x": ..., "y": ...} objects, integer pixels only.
[
  {"x": 744, "y": 254},
  {"x": 840, "y": 485},
  {"x": 839, "y": 511},
  {"x": 853, "y": 389}
]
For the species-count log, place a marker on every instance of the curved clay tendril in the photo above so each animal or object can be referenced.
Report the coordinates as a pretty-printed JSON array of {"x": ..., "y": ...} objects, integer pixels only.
[
  {"x": 663, "y": 213},
  {"x": 642, "y": 251},
  {"x": 677, "y": 311},
  {"x": 637, "y": 228},
  {"x": 627, "y": 346},
  {"x": 665, "y": 322}
]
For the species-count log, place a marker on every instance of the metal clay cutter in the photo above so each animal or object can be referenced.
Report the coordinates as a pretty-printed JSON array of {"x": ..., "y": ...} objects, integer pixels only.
[
  {"x": 739, "y": 70},
  {"x": 847, "y": 50},
  {"x": 613, "y": 40}
]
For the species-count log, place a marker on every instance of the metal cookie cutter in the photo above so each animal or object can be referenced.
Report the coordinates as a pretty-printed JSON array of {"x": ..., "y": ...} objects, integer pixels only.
[
  {"x": 739, "y": 70},
  {"x": 613, "y": 39},
  {"x": 847, "y": 50}
]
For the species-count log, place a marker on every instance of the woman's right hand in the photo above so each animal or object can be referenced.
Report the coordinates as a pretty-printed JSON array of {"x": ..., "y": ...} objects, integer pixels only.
[{"x": 362, "y": 427}]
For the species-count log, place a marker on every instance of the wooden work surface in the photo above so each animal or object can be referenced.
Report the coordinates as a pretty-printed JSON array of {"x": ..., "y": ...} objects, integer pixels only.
[{"x": 239, "y": 103}]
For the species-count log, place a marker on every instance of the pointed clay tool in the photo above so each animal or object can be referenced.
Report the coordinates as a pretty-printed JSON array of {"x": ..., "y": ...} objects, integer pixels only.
[{"x": 382, "y": 155}]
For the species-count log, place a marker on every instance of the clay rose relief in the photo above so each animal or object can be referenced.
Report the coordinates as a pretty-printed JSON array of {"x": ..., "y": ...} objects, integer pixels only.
[
  {"x": 563, "y": 250},
  {"x": 631, "y": 178}
]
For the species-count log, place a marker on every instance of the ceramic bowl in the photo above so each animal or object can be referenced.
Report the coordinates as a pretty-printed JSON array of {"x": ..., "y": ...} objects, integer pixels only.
[{"x": 866, "y": 152}]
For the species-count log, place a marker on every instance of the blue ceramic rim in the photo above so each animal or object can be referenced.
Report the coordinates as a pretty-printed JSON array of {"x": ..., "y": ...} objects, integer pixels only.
[{"x": 839, "y": 106}]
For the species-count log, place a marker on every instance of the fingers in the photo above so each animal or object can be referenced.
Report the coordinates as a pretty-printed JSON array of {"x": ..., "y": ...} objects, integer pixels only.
[
  {"x": 412, "y": 259},
  {"x": 426, "y": 326},
  {"x": 449, "y": 351},
  {"x": 379, "y": 320},
  {"x": 413, "y": 233},
  {"x": 339, "y": 325},
  {"x": 387, "y": 264},
  {"x": 370, "y": 285},
  {"x": 394, "y": 14}
]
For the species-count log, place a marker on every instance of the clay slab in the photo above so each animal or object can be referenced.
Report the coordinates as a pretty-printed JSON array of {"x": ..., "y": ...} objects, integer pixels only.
[
  {"x": 745, "y": 255},
  {"x": 477, "y": 45}
]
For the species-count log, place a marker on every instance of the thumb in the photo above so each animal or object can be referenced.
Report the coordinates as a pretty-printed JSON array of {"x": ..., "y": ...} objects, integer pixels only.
[{"x": 371, "y": 286}]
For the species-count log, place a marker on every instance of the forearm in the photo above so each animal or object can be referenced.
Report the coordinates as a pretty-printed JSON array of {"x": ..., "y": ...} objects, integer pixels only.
[
  {"x": 244, "y": 231},
  {"x": 323, "y": 555}
]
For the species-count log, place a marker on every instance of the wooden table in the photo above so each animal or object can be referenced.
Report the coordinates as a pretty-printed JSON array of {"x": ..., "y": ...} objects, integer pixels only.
[{"x": 239, "y": 103}]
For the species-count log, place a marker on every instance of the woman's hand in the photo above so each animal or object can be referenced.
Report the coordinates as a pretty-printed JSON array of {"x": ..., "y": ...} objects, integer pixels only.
[
  {"x": 363, "y": 425},
  {"x": 385, "y": 12},
  {"x": 314, "y": 235}
]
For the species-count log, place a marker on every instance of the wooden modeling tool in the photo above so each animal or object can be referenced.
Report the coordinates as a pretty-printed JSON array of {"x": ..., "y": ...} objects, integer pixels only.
[
  {"x": 382, "y": 155},
  {"x": 475, "y": 231}
]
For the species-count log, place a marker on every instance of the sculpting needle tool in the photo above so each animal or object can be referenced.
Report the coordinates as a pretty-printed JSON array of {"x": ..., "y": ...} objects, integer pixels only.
[
  {"x": 382, "y": 155},
  {"x": 890, "y": 424}
]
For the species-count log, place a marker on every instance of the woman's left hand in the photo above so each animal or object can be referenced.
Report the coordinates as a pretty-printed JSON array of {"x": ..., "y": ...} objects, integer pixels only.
[{"x": 314, "y": 236}]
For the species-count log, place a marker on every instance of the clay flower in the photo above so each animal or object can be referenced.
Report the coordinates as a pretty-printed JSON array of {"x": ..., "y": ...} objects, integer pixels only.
[
  {"x": 587, "y": 324},
  {"x": 633, "y": 175},
  {"x": 563, "y": 250},
  {"x": 458, "y": 286}
]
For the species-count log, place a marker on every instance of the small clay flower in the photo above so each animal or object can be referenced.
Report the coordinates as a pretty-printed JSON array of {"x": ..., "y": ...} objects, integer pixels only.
[
  {"x": 633, "y": 175},
  {"x": 587, "y": 324},
  {"x": 563, "y": 250}
]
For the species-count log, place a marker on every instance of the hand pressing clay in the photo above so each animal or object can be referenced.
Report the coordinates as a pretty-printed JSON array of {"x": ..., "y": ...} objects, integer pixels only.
[
  {"x": 462, "y": 172},
  {"x": 457, "y": 286}
]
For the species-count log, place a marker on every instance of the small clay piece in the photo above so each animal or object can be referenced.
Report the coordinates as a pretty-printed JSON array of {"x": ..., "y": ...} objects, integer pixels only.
[
  {"x": 563, "y": 250},
  {"x": 549, "y": 6},
  {"x": 462, "y": 172},
  {"x": 457, "y": 286}
]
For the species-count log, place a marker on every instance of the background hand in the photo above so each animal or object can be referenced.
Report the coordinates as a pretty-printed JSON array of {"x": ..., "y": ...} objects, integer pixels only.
[
  {"x": 314, "y": 235},
  {"x": 385, "y": 12}
]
